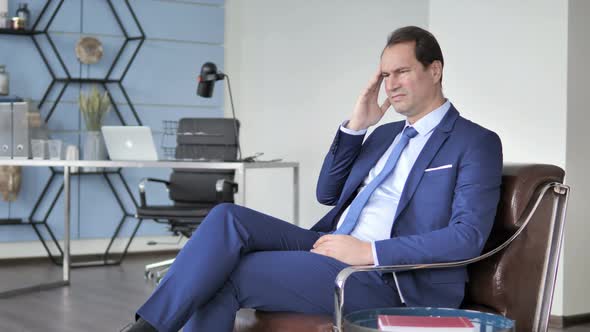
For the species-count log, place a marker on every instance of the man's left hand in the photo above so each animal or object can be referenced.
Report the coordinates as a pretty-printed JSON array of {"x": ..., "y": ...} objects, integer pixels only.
[{"x": 344, "y": 248}]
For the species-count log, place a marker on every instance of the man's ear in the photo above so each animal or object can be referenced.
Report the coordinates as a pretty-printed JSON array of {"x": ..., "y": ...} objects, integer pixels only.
[{"x": 436, "y": 70}]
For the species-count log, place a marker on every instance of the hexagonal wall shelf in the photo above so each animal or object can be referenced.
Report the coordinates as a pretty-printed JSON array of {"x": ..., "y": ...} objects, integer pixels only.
[{"x": 107, "y": 82}]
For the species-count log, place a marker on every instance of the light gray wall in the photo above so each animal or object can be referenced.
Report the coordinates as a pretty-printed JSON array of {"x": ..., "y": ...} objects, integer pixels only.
[
  {"x": 505, "y": 69},
  {"x": 297, "y": 68},
  {"x": 575, "y": 263}
]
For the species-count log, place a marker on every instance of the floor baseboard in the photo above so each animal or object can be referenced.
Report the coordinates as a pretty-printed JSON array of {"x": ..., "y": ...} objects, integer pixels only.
[
  {"x": 90, "y": 257},
  {"x": 567, "y": 321},
  {"x": 89, "y": 247}
]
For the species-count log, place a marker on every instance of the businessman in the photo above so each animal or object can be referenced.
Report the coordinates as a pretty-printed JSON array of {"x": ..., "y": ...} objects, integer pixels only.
[{"x": 423, "y": 190}]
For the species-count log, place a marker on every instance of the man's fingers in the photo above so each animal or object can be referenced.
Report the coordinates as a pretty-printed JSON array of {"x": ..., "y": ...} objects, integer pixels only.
[
  {"x": 385, "y": 106},
  {"x": 324, "y": 251},
  {"x": 378, "y": 75},
  {"x": 327, "y": 238},
  {"x": 319, "y": 251},
  {"x": 374, "y": 82},
  {"x": 321, "y": 240}
]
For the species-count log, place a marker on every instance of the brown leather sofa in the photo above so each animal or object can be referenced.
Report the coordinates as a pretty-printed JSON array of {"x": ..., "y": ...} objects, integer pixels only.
[{"x": 516, "y": 282}]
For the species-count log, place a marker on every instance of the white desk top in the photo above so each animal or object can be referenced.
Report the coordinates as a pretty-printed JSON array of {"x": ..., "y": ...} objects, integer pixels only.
[{"x": 147, "y": 164}]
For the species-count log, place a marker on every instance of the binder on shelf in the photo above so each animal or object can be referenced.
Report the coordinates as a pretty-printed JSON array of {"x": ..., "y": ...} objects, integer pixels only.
[
  {"x": 5, "y": 130},
  {"x": 20, "y": 131},
  {"x": 14, "y": 130}
]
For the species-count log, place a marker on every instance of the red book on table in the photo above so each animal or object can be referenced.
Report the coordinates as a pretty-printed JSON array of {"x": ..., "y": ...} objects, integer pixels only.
[{"x": 424, "y": 324}]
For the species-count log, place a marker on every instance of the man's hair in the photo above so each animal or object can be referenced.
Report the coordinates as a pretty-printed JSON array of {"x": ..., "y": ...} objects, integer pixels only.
[{"x": 426, "y": 47}]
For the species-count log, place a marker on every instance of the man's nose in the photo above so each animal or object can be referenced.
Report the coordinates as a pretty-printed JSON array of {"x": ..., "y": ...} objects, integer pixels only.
[{"x": 391, "y": 83}]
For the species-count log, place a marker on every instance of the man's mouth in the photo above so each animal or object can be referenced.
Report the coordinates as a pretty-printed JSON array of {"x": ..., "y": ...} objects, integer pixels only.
[{"x": 398, "y": 97}]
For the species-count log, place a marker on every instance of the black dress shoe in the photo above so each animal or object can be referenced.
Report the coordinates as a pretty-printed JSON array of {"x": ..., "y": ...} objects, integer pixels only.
[{"x": 141, "y": 325}]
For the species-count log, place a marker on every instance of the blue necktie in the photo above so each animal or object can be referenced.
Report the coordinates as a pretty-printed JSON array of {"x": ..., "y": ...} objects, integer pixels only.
[{"x": 362, "y": 198}]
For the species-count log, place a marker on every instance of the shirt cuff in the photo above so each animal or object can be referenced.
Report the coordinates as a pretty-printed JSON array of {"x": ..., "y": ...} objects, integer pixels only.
[
  {"x": 376, "y": 263},
  {"x": 375, "y": 259},
  {"x": 350, "y": 131}
]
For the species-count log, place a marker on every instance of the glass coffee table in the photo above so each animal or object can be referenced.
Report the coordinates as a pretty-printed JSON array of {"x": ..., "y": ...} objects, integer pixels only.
[{"x": 366, "y": 320}]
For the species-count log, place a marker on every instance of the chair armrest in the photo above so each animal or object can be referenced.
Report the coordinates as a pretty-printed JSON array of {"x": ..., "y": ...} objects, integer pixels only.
[
  {"x": 221, "y": 184},
  {"x": 141, "y": 186},
  {"x": 561, "y": 189},
  {"x": 224, "y": 185},
  {"x": 347, "y": 272}
]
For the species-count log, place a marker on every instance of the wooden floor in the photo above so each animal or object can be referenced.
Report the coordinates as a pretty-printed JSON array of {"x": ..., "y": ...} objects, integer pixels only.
[{"x": 99, "y": 299}]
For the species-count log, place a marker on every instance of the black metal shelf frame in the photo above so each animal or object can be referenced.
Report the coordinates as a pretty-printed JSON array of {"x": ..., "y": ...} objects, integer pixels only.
[
  {"x": 43, "y": 220},
  {"x": 108, "y": 79},
  {"x": 106, "y": 83},
  {"x": 5, "y": 31}
]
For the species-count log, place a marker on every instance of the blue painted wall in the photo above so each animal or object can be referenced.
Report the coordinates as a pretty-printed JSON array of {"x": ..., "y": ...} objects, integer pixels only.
[{"x": 180, "y": 36}]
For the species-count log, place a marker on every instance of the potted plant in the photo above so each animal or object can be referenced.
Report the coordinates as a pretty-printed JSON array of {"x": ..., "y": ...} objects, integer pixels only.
[{"x": 94, "y": 106}]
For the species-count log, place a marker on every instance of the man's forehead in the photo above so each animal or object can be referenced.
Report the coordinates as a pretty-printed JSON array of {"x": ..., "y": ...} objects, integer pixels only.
[{"x": 397, "y": 56}]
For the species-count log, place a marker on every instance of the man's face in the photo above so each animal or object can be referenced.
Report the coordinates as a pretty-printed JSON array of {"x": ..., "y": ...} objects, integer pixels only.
[{"x": 410, "y": 87}]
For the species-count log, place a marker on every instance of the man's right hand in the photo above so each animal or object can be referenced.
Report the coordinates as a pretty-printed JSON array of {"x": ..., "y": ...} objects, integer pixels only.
[{"x": 367, "y": 111}]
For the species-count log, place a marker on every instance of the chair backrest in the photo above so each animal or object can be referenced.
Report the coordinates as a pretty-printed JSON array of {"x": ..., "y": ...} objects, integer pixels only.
[
  {"x": 203, "y": 139},
  {"x": 518, "y": 281}
]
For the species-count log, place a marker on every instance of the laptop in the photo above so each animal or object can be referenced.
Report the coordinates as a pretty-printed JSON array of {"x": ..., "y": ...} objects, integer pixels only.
[{"x": 129, "y": 143}]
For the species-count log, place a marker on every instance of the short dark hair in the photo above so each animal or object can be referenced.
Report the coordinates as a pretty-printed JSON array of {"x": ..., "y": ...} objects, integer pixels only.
[{"x": 426, "y": 47}]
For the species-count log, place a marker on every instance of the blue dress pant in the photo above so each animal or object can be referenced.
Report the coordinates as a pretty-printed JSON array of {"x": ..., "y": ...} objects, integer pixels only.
[{"x": 241, "y": 258}]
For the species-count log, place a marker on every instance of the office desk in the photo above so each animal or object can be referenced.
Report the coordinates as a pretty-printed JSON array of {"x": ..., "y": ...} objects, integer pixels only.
[{"x": 240, "y": 177}]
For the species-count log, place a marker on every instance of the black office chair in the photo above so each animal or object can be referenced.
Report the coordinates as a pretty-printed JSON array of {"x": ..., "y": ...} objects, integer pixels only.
[{"x": 194, "y": 193}]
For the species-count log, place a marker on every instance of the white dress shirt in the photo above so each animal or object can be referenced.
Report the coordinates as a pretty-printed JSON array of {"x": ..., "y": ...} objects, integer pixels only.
[{"x": 376, "y": 218}]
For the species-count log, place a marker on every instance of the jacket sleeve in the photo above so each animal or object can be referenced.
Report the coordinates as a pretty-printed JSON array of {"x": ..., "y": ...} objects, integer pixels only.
[
  {"x": 337, "y": 165},
  {"x": 475, "y": 200}
]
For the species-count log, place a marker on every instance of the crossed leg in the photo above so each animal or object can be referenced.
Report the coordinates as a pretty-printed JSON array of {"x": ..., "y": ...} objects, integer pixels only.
[
  {"x": 238, "y": 258},
  {"x": 293, "y": 281}
]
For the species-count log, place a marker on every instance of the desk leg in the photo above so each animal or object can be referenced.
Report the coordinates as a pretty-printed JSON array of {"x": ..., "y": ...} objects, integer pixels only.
[
  {"x": 296, "y": 195},
  {"x": 67, "y": 199},
  {"x": 240, "y": 197},
  {"x": 66, "y": 259}
]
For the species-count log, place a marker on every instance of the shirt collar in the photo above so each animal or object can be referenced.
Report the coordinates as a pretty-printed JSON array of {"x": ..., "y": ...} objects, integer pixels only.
[{"x": 431, "y": 120}]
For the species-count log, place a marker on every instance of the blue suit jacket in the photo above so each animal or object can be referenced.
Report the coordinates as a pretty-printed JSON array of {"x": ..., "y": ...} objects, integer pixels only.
[{"x": 444, "y": 215}]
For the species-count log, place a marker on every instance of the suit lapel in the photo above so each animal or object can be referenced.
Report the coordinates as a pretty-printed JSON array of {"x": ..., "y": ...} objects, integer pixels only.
[
  {"x": 428, "y": 152},
  {"x": 439, "y": 136},
  {"x": 369, "y": 158}
]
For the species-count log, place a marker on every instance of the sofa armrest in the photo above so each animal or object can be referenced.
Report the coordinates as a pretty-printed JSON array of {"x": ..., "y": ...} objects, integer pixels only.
[{"x": 561, "y": 189}]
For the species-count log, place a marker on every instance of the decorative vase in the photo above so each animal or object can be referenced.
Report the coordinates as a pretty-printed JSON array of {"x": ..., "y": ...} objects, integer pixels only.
[
  {"x": 10, "y": 181},
  {"x": 94, "y": 149}
]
